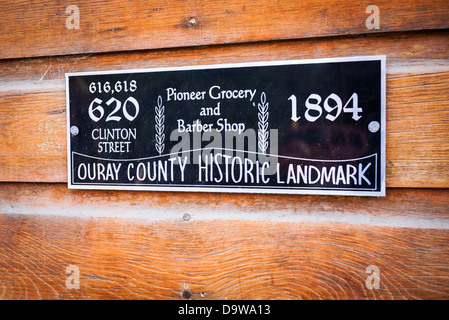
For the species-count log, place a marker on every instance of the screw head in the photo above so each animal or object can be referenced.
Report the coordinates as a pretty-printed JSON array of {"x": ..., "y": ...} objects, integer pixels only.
[
  {"x": 374, "y": 126},
  {"x": 74, "y": 130},
  {"x": 192, "y": 21},
  {"x": 186, "y": 294}
]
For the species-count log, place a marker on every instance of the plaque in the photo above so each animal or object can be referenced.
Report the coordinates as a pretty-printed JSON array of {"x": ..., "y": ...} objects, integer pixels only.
[{"x": 297, "y": 127}]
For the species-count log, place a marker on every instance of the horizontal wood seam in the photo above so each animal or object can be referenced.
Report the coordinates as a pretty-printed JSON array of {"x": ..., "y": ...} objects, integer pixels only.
[{"x": 402, "y": 208}]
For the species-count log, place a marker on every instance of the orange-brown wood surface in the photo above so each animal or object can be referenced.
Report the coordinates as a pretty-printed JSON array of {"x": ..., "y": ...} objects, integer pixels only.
[
  {"x": 298, "y": 255},
  {"x": 178, "y": 245},
  {"x": 38, "y": 28},
  {"x": 403, "y": 207},
  {"x": 32, "y": 103}
]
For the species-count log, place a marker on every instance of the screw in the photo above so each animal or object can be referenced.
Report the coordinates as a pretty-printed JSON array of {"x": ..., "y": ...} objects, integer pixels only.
[
  {"x": 186, "y": 294},
  {"x": 192, "y": 21},
  {"x": 186, "y": 217},
  {"x": 374, "y": 126},
  {"x": 74, "y": 130}
]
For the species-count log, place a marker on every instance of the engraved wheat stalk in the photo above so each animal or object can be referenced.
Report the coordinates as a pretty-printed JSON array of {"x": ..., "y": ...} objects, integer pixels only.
[
  {"x": 263, "y": 123},
  {"x": 160, "y": 118}
]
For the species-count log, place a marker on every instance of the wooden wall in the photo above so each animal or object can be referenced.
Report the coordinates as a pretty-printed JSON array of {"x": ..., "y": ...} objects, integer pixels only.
[{"x": 167, "y": 245}]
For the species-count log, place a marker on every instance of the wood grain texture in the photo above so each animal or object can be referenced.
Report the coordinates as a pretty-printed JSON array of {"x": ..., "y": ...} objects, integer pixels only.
[
  {"x": 32, "y": 99},
  {"x": 159, "y": 245},
  {"x": 128, "y": 259},
  {"x": 38, "y": 28},
  {"x": 404, "y": 207}
]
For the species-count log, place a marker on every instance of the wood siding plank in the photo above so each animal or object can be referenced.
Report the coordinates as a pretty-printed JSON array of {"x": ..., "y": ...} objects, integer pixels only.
[
  {"x": 128, "y": 259},
  {"x": 38, "y": 28},
  {"x": 403, "y": 207},
  {"x": 32, "y": 100}
]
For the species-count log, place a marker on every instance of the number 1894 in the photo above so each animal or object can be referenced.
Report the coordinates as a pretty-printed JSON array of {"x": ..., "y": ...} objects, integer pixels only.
[{"x": 333, "y": 106}]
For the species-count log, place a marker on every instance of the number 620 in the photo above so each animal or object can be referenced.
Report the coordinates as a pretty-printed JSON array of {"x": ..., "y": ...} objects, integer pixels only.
[{"x": 96, "y": 110}]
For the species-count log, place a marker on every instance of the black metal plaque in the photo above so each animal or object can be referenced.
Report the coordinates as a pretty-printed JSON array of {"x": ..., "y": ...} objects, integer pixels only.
[{"x": 305, "y": 127}]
